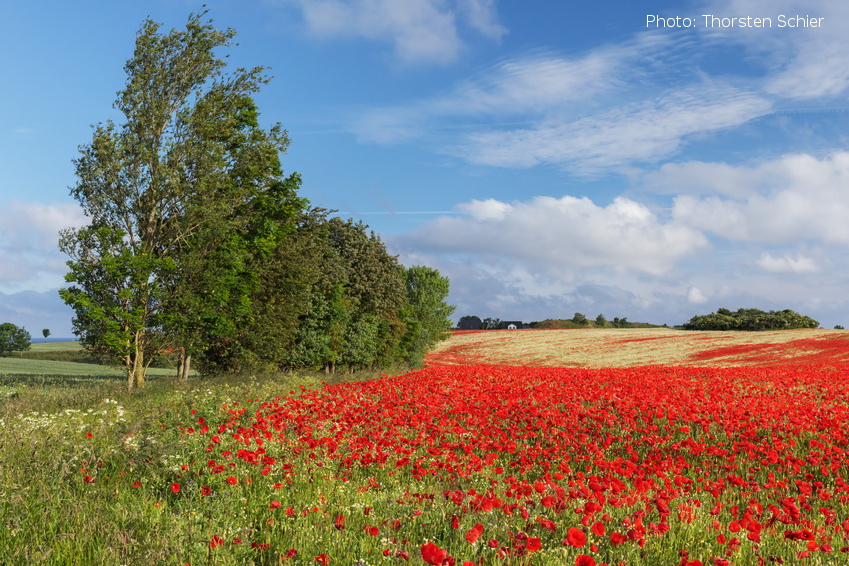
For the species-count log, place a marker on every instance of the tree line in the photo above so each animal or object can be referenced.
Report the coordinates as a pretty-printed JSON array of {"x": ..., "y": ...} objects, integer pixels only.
[
  {"x": 199, "y": 244},
  {"x": 750, "y": 319}
]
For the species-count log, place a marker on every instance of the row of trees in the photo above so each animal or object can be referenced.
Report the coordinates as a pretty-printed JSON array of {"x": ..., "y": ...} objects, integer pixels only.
[
  {"x": 199, "y": 244},
  {"x": 750, "y": 319}
]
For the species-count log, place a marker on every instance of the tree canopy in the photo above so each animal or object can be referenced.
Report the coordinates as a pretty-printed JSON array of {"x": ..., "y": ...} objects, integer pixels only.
[
  {"x": 198, "y": 243},
  {"x": 750, "y": 319},
  {"x": 182, "y": 196},
  {"x": 13, "y": 339}
]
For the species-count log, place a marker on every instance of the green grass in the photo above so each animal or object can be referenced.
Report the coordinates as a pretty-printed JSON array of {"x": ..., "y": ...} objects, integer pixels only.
[
  {"x": 50, "y": 515},
  {"x": 23, "y": 366},
  {"x": 55, "y": 346}
]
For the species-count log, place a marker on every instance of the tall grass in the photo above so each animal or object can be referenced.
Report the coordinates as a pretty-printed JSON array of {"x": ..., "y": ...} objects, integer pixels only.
[{"x": 55, "y": 432}]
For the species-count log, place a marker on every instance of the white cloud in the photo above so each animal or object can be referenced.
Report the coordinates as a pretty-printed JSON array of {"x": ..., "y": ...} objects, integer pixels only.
[
  {"x": 420, "y": 30},
  {"x": 695, "y": 296},
  {"x": 638, "y": 132},
  {"x": 801, "y": 63},
  {"x": 29, "y": 237},
  {"x": 794, "y": 198},
  {"x": 535, "y": 84},
  {"x": 787, "y": 264},
  {"x": 562, "y": 236},
  {"x": 604, "y": 108},
  {"x": 483, "y": 16}
]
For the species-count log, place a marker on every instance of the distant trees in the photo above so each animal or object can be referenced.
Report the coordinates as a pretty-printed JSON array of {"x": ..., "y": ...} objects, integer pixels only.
[
  {"x": 46, "y": 333},
  {"x": 600, "y": 320},
  {"x": 580, "y": 319},
  {"x": 13, "y": 339},
  {"x": 750, "y": 319},
  {"x": 469, "y": 322}
]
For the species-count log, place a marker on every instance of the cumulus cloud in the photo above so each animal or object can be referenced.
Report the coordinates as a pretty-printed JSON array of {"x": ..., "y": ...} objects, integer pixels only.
[
  {"x": 794, "y": 198},
  {"x": 29, "y": 236},
  {"x": 420, "y": 30},
  {"x": 787, "y": 264},
  {"x": 562, "y": 235}
]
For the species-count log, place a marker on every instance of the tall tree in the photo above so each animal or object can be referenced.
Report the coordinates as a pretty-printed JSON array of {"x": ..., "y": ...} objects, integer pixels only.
[
  {"x": 183, "y": 196},
  {"x": 427, "y": 292}
]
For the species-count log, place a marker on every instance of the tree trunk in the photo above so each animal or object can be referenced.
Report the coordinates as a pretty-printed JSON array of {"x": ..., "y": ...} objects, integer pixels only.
[
  {"x": 136, "y": 377},
  {"x": 180, "y": 360},
  {"x": 187, "y": 363}
]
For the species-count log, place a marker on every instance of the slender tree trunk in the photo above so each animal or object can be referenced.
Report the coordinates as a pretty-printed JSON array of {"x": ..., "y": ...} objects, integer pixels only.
[
  {"x": 136, "y": 378},
  {"x": 180, "y": 361},
  {"x": 186, "y": 366}
]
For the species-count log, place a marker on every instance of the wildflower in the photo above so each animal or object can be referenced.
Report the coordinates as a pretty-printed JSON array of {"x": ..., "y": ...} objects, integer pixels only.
[
  {"x": 432, "y": 554},
  {"x": 575, "y": 537}
]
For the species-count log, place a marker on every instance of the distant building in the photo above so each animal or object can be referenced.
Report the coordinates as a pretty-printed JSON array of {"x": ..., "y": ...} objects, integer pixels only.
[
  {"x": 512, "y": 324},
  {"x": 470, "y": 323}
]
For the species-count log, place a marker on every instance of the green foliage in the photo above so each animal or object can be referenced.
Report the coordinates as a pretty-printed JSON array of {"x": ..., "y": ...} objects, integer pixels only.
[
  {"x": 600, "y": 320},
  {"x": 186, "y": 197},
  {"x": 750, "y": 319},
  {"x": 46, "y": 333},
  {"x": 492, "y": 323},
  {"x": 838, "y": 327},
  {"x": 427, "y": 292},
  {"x": 476, "y": 322},
  {"x": 580, "y": 319},
  {"x": 13, "y": 339}
]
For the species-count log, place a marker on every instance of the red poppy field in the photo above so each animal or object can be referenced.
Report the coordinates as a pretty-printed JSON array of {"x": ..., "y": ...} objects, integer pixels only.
[{"x": 477, "y": 464}]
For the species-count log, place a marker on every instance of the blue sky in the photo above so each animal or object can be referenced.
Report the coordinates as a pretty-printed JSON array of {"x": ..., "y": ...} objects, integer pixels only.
[{"x": 549, "y": 157}]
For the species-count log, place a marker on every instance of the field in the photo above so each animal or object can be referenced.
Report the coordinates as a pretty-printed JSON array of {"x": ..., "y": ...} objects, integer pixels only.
[
  {"x": 60, "y": 362},
  {"x": 662, "y": 448},
  {"x": 642, "y": 347}
]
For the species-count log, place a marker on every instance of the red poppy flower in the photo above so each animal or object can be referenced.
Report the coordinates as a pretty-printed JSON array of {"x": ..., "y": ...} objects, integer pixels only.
[
  {"x": 584, "y": 560},
  {"x": 432, "y": 554},
  {"x": 534, "y": 544},
  {"x": 232, "y": 481},
  {"x": 175, "y": 487},
  {"x": 474, "y": 534},
  {"x": 322, "y": 559},
  {"x": 215, "y": 541},
  {"x": 599, "y": 529},
  {"x": 205, "y": 490},
  {"x": 576, "y": 537},
  {"x": 340, "y": 522},
  {"x": 137, "y": 483},
  {"x": 275, "y": 504}
]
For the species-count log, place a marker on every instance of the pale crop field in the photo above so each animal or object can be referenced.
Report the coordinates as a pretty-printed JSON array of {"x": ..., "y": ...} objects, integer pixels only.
[{"x": 631, "y": 347}]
